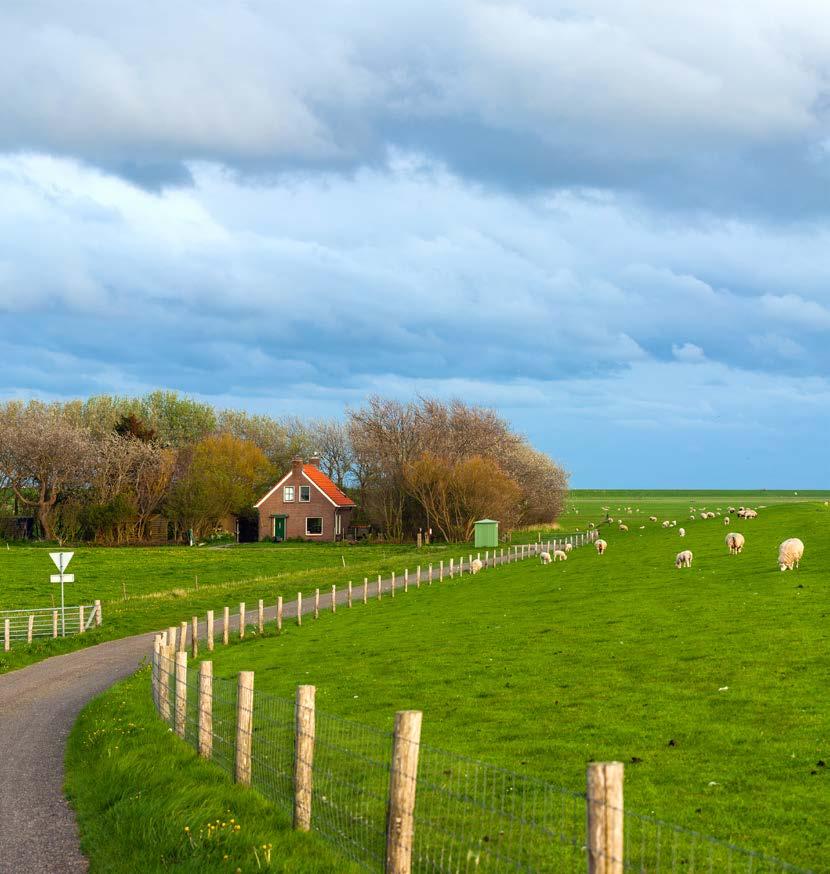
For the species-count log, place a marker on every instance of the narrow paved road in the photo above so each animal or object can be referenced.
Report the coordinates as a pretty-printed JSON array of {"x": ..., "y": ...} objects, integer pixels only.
[{"x": 38, "y": 707}]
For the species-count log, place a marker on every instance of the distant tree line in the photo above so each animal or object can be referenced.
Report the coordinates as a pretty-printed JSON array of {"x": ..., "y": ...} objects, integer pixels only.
[{"x": 102, "y": 469}]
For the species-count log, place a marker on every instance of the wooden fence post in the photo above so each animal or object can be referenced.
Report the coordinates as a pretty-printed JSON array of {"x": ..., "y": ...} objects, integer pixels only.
[
  {"x": 304, "y": 731},
  {"x": 55, "y": 624},
  {"x": 183, "y": 637},
  {"x": 392, "y": 589},
  {"x": 380, "y": 588},
  {"x": 194, "y": 637},
  {"x": 181, "y": 693},
  {"x": 334, "y": 599},
  {"x": 403, "y": 779},
  {"x": 210, "y": 630},
  {"x": 365, "y": 590},
  {"x": 429, "y": 574},
  {"x": 7, "y": 643},
  {"x": 226, "y": 625},
  {"x": 279, "y": 614},
  {"x": 31, "y": 627},
  {"x": 418, "y": 577},
  {"x": 154, "y": 674},
  {"x": 81, "y": 628},
  {"x": 605, "y": 817},
  {"x": 99, "y": 618},
  {"x": 260, "y": 617},
  {"x": 452, "y": 568},
  {"x": 172, "y": 634},
  {"x": 349, "y": 598},
  {"x": 241, "y": 620},
  {"x": 206, "y": 710},
  {"x": 441, "y": 572},
  {"x": 316, "y": 603},
  {"x": 406, "y": 581},
  {"x": 299, "y": 608},
  {"x": 165, "y": 674},
  {"x": 244, "y": 727}
]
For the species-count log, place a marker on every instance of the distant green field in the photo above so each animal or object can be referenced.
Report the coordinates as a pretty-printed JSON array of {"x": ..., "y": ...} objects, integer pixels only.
[{"x": 710, "y": 683}]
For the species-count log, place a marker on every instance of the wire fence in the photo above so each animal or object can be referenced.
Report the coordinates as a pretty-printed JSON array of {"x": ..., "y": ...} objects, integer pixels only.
[
  {"x": 52, "y": 622},
  {"x": 350, "y": 783}
]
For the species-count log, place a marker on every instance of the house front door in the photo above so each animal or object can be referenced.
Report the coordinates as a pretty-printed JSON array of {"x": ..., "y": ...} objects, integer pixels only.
[{"x": 279, "y": 528}]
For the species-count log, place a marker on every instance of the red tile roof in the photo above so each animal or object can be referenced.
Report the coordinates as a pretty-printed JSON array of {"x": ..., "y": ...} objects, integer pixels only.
[{"x": 326, "y": 486}]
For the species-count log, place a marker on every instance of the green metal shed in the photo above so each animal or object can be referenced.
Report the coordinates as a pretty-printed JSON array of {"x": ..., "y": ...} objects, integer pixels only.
[{"x": 487, "y": 532}]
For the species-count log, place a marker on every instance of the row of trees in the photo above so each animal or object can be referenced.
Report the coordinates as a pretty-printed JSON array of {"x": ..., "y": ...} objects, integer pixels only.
[{"x": 103, "y": 468}]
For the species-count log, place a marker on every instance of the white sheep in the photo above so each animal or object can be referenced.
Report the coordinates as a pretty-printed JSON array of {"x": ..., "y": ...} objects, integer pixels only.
[
  {"x": 601, "y": 546},
  {"x": 735, "y": 542},
  {"x": 666, "y": 523},
  {"x": 692, "y": 517},
  {"x": 568, "y": 547},
  {"x": 476, "y": 566},
  {"x": 652, "y": 518},
  {"x": 623, "y": 527},
  {"x": 545, "y": 556},
  {"x": 726, "y": 520},
  {"x": 684, "y": 559},
  {"x": 559, "y": 555},
  {"x": 681, "y": 532},
  {"x": 790, "y": 553}
]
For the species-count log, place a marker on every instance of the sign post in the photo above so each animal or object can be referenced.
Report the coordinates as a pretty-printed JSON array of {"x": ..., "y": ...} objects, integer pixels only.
[{"x": 62, "y": 560}]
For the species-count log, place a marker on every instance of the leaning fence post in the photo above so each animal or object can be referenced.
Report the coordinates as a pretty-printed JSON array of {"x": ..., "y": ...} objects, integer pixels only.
[
  {"x": 304, "y": 731},
  {"x": 6, "y": 636},
  {"x": 226, "y": 625},
  {"x": 194, "y": 637},
  {"x": 209, "y": 630},
  {"x": 403, "y": 779},
  {"x": 244, "y": 727},
  {"x": 181, "y": 693},
  {"x": 279, "y": 614},
  {"x": 206, "y": 710},
  {"x": 605, "y": 817},
  {"x": 241, "y": 620},
  {"x": 165, "y": 672}
]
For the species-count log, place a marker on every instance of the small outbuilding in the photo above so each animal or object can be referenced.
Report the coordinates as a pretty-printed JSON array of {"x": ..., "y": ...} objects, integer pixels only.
[{"x": 487, "y": 533}]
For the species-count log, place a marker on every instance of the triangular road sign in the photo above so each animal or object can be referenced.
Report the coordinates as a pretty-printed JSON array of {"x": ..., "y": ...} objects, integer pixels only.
[{"x": 61, "y": 559}]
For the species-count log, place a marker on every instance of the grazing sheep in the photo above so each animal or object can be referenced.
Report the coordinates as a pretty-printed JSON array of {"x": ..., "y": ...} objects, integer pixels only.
[
  {"x": 476, "y": 566},
  {"x": 692, "y": 517},
  {"x": 601, "y": 546},
  {"x": 652, "y": 518},
  {"x": 568, "y": 547},
  {"x": 735, "y": 542},
  {"x": 545, "y": 557},
  {"x": 731, "y": 510},
  {"x": 623, "y": 527},
  {"x": 684, "y": 559},
  {"x": 666, "y": 523},
  {"x": 790, "y": 553},
  {"x": 681, "y": 532},
  {"x": 726, "y": 520},
  {"x": 559, "y": 555}
]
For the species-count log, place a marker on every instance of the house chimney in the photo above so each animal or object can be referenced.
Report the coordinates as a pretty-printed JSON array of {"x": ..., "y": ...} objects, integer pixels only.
[
  {"x": 297, "y": 464},
  {"x": 315, "y": 460}
]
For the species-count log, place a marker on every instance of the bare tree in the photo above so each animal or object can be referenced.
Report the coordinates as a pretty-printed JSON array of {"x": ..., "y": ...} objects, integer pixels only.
[
  {"x": 42, "y": 455},
  {"x": 332, "y": 443}
]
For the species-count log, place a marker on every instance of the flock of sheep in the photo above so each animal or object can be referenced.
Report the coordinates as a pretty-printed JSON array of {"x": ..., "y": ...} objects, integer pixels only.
[{"x": 790, "y": 552}]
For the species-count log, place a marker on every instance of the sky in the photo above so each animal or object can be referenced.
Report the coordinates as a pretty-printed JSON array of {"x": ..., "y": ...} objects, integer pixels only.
[{"x": 610, "y": 219}]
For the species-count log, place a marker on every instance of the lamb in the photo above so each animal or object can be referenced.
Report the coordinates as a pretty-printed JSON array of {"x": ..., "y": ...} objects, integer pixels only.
[
  {"x": 790, "y": 553},
  {"x": 735, "y": 542},
  {"x": 568, "y": 547},
  {"x": 559, "y": 555},
  {"x": 681, "y": 532},
  {"x": 684, "y": 559},
  {"x": 476, "y": 566},
  {"x": 545, "y": 557},
  {"x": 601, "y": 546}
]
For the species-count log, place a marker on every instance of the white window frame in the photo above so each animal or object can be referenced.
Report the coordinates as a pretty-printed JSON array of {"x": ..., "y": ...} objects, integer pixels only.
[
  {"x": 313, "y": 533},
  {"x": 285, "y": 498},
  {"x": 338, "y": 524},
  {"x": 300, "y": 498}
]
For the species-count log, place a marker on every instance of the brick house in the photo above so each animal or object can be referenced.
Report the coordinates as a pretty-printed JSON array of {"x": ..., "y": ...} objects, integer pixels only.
[{"x": 304, "y": 504}]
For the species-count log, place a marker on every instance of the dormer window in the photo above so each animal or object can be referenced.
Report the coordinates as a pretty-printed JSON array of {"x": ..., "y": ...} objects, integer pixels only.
[
  {"x": 288, "y": 494},
  {"x": 305, "y": 494}
]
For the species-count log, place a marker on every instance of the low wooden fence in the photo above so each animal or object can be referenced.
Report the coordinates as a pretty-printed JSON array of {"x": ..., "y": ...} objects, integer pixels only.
[{"x": 48, "y": 622}]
